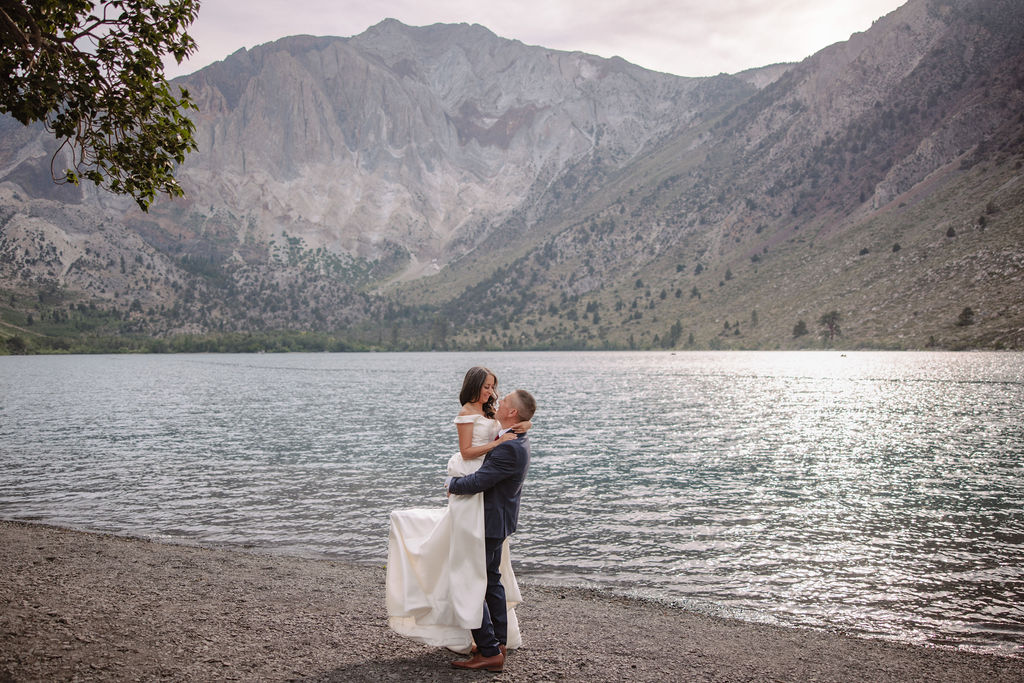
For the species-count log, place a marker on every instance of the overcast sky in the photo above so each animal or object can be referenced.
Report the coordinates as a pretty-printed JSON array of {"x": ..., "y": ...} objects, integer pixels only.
[{"x": 682, "y": 37}]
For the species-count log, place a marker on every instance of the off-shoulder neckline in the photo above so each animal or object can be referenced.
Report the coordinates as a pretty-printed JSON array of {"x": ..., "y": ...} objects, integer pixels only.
[{"x": 469, "y": 417}]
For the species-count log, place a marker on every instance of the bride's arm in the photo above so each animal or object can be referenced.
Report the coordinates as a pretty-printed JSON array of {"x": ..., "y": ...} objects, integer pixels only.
[
  {"x": 522, "y": 427},
  {"x": 466, "y": 447}
]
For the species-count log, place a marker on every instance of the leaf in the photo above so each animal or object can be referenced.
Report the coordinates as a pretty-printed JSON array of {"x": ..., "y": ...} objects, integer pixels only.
[{"x": 112, "y": 107}]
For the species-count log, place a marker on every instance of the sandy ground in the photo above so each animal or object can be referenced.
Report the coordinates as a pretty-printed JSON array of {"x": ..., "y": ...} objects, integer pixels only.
[{"x": 83, "y": 606}]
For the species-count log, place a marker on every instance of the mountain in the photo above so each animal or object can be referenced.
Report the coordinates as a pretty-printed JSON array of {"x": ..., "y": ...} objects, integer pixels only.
[{"x": 443, "y": 187}]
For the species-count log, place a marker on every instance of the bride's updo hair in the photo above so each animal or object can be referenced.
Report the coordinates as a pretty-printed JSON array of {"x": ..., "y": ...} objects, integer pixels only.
[{"x": 473, "y": 384}]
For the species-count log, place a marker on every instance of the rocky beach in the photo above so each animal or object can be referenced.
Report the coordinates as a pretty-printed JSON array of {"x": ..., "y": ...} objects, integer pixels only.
[{"x": 90, "y": 606}]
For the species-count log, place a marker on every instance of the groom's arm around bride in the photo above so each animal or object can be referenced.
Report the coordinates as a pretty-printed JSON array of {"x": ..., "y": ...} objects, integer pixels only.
[{"x": 500, "y": 478}]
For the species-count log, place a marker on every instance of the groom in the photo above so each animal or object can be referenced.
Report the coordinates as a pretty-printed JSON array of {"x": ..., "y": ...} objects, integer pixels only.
[{"x": 500, "y": 477}]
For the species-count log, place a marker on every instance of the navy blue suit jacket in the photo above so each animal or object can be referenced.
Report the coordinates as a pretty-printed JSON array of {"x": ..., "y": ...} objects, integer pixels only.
[{"x": 500, "y": 478}]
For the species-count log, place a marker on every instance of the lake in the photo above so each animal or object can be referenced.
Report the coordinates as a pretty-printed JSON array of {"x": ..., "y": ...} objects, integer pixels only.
[{"x": 876, "y": 493}]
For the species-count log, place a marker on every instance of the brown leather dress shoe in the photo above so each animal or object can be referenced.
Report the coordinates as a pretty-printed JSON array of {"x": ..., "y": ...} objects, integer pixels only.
[{"x": 495, "y": 663}]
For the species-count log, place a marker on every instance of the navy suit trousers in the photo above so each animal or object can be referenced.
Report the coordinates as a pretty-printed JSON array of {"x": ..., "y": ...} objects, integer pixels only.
[{"x": 493, "y": 629}]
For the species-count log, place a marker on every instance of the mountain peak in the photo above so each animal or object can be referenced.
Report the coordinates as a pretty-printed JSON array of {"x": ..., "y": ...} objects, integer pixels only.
[{"x": 394, "y": 27}]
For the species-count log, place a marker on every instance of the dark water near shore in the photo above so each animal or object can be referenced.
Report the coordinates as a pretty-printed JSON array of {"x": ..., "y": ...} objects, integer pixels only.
[{"x": 877, "y": 493}]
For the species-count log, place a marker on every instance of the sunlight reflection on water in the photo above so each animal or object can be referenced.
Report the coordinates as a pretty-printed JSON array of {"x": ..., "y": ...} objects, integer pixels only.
[{"x": 880, "y": 493}]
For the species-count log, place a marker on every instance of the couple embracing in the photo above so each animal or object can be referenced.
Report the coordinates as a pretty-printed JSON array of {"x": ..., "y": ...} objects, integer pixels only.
[{"x": 449, "y": 578}]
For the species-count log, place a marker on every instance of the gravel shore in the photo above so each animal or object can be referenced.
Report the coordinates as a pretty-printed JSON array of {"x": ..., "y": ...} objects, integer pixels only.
[{"x": 86, "y": 606}]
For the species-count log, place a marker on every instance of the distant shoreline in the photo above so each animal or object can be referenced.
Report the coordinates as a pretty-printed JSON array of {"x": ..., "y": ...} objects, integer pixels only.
[
  {"x": 91, "y": 605},
  {"x": 161, "y": 348},
  {"x": 17, "y": 340}
]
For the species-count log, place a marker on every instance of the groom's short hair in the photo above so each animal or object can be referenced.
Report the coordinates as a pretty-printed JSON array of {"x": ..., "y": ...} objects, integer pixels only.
[{"x": 526, "y": 406}]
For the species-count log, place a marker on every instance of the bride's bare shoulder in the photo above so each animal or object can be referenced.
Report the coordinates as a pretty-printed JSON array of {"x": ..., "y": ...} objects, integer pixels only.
[{"x": 469, "y": 411}]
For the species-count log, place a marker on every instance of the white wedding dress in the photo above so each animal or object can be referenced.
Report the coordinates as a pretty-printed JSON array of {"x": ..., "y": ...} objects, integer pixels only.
[{"x": 436, "y": 573}]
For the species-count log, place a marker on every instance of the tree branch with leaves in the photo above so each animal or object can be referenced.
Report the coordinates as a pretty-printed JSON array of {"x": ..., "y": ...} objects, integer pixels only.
[{"x": 92, "y": 73}]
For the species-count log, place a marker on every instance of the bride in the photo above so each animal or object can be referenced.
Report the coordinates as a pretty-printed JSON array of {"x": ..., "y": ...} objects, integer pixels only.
[{"x": 436, "y": 572}]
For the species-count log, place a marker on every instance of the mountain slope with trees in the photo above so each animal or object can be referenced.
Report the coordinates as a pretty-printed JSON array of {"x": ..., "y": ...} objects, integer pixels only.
[{"x": 441, "y": 187}]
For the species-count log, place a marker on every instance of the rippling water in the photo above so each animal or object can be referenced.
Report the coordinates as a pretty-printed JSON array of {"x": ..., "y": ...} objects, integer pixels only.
[{"x": 877, "y": 493}]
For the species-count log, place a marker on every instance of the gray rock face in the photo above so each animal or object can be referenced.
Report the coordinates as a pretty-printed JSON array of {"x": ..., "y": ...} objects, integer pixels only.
[
  {"x": 411, "y": 136},
  {"x": 330, "y": 169}
]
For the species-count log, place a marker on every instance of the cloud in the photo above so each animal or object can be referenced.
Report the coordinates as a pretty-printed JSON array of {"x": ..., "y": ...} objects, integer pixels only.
[{"x": 684, "y": 37}]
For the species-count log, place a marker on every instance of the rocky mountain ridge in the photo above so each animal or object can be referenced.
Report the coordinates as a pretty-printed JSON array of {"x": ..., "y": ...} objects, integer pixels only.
[
  {"x": 405, "y": 138},
  {"x": 879, "y": 179},
  {"x": 372, "y": 186}
]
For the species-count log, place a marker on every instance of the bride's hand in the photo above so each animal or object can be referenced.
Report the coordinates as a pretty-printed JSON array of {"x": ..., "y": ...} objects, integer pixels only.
[
  {"x": 507, "y": 436},
  {"x": 522, "y": 427}
]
